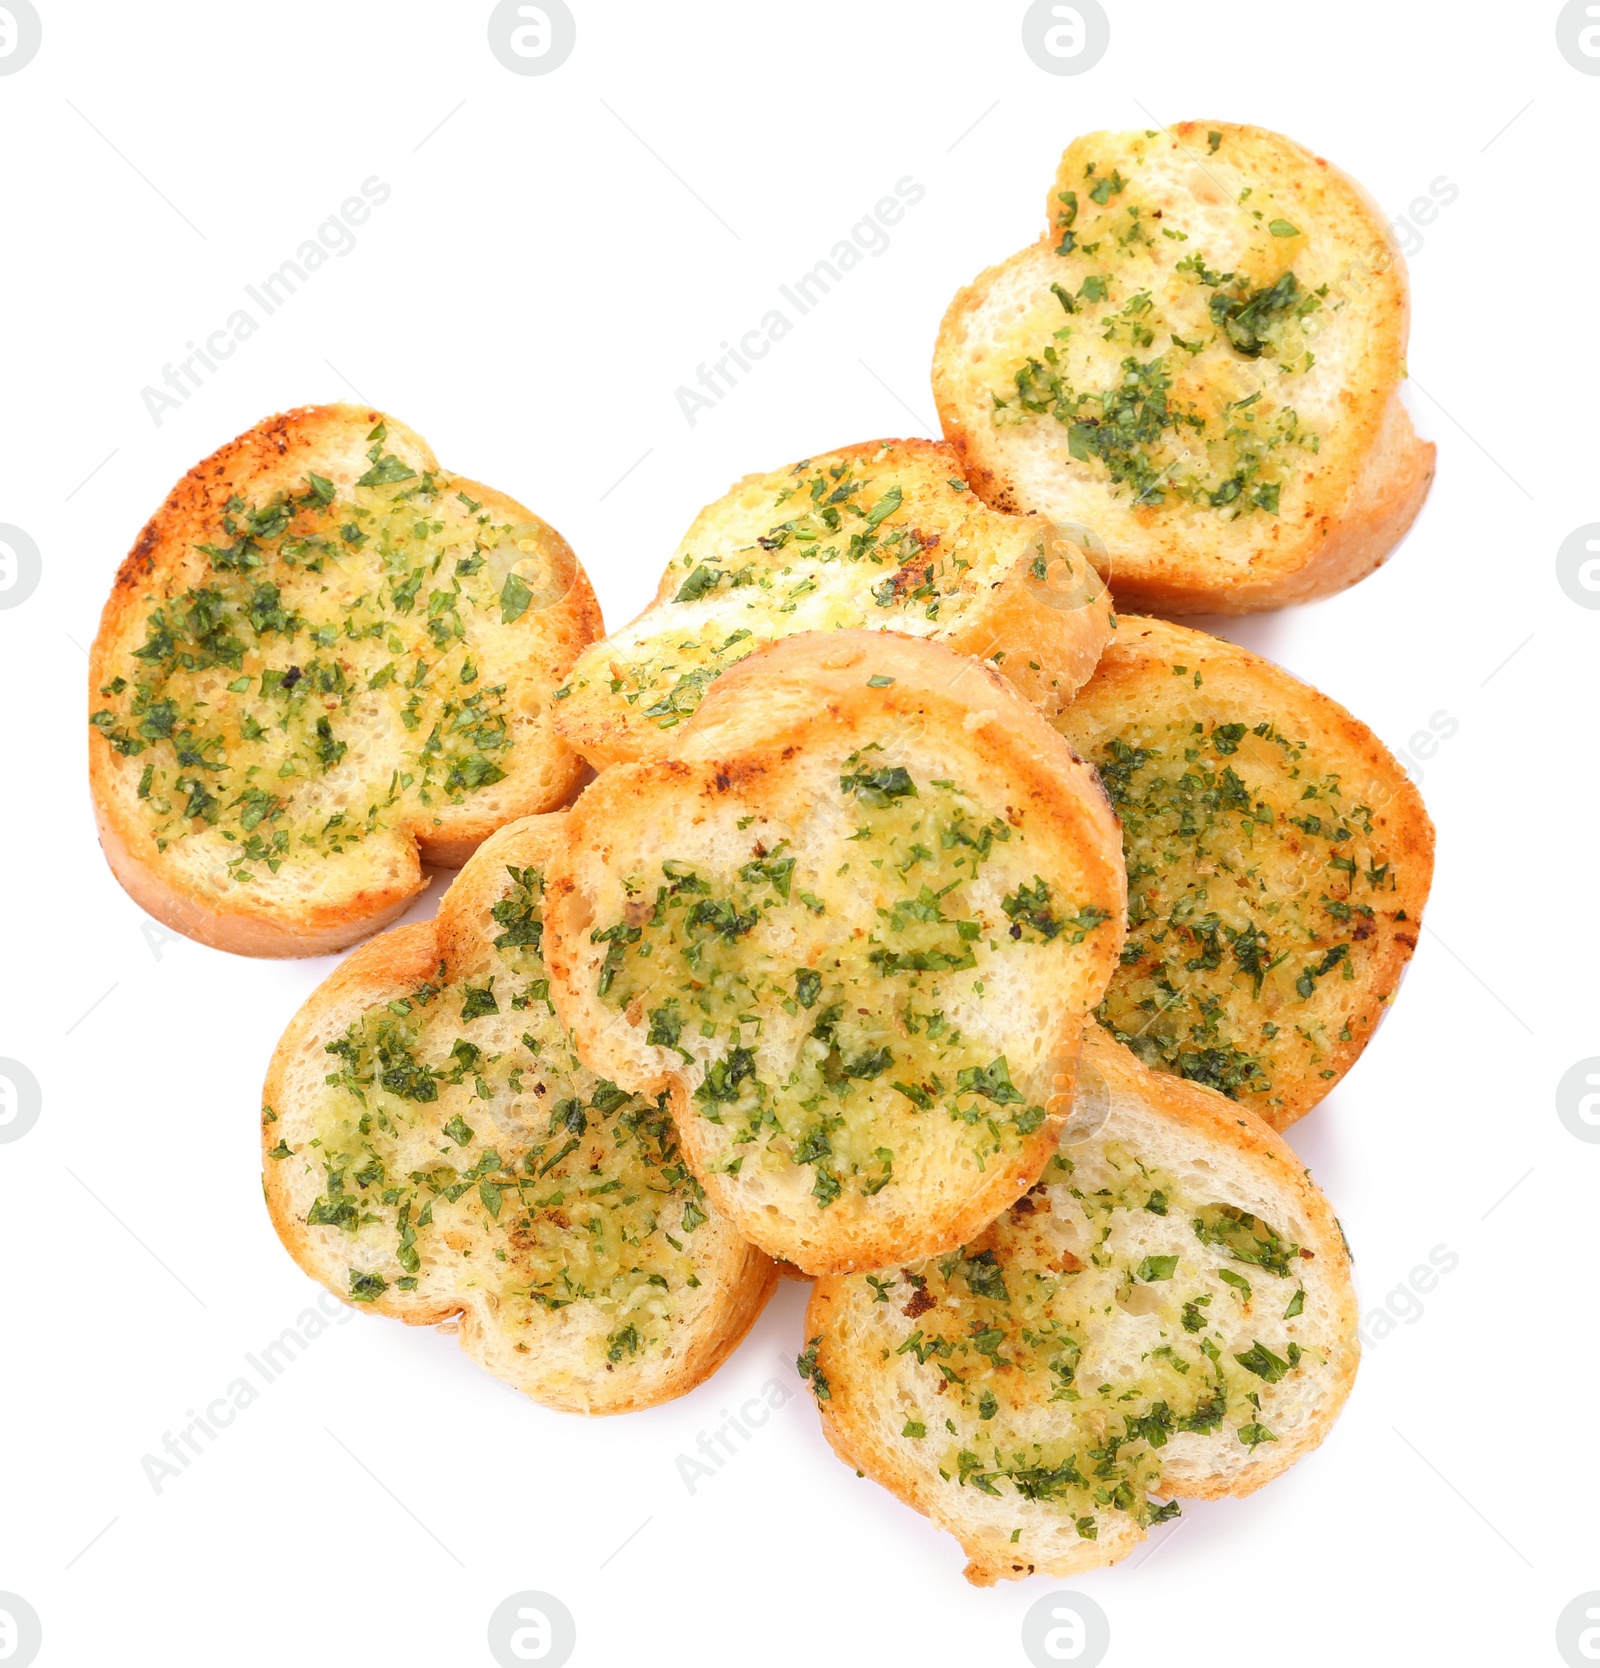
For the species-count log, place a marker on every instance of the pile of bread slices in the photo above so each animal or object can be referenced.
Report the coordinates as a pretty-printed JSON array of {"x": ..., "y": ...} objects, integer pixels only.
[{"x": 880, "y": 907}]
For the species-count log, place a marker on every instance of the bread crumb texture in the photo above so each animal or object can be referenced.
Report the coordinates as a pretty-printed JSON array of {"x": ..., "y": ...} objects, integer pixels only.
[
  {"x": 324, "y": 652},
  {"x": 435, "y": 1147},
  {"x": 1199, "y": 364},
  {"x": 880, "y": 536},
  {"x": 862, "y": 948},
  {"x": 1167, "y": 1312},
  {"x": 1278, "y": 863}
]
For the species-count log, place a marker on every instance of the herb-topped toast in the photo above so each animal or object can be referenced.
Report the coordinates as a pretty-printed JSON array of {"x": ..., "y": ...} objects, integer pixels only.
[
  {"x": 881, "y": 536},
  {"x": 434, "y": 1149},
  {"x": 1200, "y": 363},
  {"x": 1278, "y": 863},
  {"x": 853, "y": 927},
  {"x": 326, "y": 661},
  {"x": 1168, "y": 1312}
]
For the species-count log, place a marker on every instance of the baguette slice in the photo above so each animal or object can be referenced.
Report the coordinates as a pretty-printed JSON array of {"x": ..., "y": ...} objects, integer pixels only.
[
  {"x": 1199, "y": 367},
  {"x": 434, "y": 1149},
  {"x": 1278, "y": 864},
  {"x": 853, "y": 929},
  {"x": 881, "y": 536},
  {"x": 325, "y": 662},
  {"x": 1168, "y": 1312}
]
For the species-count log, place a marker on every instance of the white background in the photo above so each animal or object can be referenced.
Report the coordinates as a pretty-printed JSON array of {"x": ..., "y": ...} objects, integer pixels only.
[{"x": 554, "y": 261}]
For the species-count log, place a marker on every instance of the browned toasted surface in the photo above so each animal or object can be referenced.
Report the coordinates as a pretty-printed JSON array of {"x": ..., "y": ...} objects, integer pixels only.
[
  {"x": 1278, "y": 865},
  {"x": 434, "y": 1149},
  {"x": 1168, "y": 1312},
  {"x": 1197, "y": 367},
  {"x": 853, "y": 928},
  {"x": 884, "y": 535},
  {"x": 325, "y": 661}
]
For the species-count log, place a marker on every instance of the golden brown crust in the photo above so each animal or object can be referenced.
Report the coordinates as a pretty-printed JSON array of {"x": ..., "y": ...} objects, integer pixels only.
[
  {"x": 1366, "y": 484},
  {"x": 747, "y": 746},
  {"x": 1387, "y": 498},
  {"x": 1134, "y": 682},
  {"x": 318, "y": 931},
  {"x": 857, "y": 1379},
  {"x": 886, "y": 1242},
  {"x": 1043, "y": 633},
  {"x": 1204, "y": 1111},
  {"x": 1047, "y": 637},
  {"x": 740, "y": 1279},
  {"x": 351, "y": 898}
]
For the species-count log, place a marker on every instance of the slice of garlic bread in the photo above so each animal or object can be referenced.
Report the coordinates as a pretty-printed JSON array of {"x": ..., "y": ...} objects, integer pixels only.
[
  {"x": 434, "y": 1149},
  {"x": 1168, "y": 1312},
  {"x": 1199, "y": 364},
  {"x": 326, "y": 661},
  {"x": 854, "y": 928},
  {"x": 1278, "y": 864},
  {"x": 885, "y": 535}
]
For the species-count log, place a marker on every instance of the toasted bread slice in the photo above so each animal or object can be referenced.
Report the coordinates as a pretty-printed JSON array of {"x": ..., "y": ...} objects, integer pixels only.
[
  {"x": 325, "y": 662},
  {"x": 1278, "y": 863},
  {"x": 1200, "y": 365},
  {"x": 853, "y": 928},
  {"x": 885, "y": 536},
  {"x": 1168, "y": 1312},
  {"x": 434, "y": 1149}
]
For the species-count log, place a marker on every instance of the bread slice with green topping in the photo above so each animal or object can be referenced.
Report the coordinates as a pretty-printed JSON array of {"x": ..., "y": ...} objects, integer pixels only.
[
  {"x": 853, "y": 928},
  {"x": 880, "y": 536},
  {"x": 1168, "y": 1312},
  {"x": 1198, "y": 366},
  {"x": 435, "y": 1151},
  {"x": 1278, "y": 863},
  {"x": 326, "y": 661}
]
